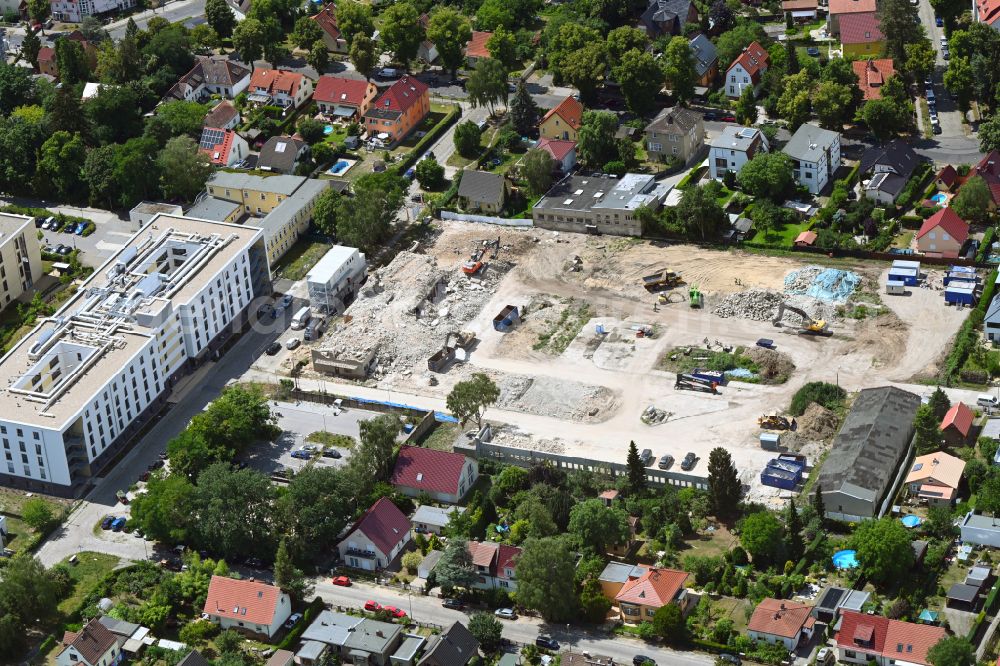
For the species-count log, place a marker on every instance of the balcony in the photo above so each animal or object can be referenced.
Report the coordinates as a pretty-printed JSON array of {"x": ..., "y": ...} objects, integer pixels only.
[{"x": 357, "y": 552}]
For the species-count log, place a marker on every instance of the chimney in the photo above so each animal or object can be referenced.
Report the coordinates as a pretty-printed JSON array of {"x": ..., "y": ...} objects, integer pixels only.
[{"x": 378, "y": 632}]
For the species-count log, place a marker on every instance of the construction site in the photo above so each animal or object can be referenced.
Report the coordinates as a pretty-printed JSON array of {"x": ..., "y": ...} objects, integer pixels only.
[{"x": 577, "y": 332}]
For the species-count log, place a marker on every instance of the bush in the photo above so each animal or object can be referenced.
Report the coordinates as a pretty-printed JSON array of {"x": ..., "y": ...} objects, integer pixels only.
[
  {"x": 827, "y": 395},
  {"x": 467, "y": 138}
]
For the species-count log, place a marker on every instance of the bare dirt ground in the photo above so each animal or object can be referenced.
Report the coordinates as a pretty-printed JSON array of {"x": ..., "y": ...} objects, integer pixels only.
[{"x": 585, "y": 397}]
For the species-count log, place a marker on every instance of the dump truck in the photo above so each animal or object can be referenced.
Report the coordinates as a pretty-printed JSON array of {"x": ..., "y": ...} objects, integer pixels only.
[
  {"x": 688, "y": 382},
  {"x": 665, "y": 279},
  {"x": 476, "y": 262},
  {"x": 695, "y": 297},
  {"x": 453, "y": 341},
  {"x": 775, "y": 421},
  {"x": 507, "y": 319},
  {"x": 809, "y": 326}
]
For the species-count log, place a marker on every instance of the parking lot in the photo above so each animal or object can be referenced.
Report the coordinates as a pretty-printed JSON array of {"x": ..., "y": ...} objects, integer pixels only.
[{"x": 110, "y": 235}]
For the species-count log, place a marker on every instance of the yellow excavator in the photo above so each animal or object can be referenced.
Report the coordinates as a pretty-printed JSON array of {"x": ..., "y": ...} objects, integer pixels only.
[
  {"x": 809, "y": 326},
  {"x": 775, "y": 421}
]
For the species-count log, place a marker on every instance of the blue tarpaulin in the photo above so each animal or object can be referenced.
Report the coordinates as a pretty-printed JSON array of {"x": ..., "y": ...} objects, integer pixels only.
[{"x": 438, "y": 416}]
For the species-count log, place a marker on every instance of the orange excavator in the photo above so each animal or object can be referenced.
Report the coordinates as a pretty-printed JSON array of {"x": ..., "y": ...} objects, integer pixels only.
[{"x": 476, "y": 262}]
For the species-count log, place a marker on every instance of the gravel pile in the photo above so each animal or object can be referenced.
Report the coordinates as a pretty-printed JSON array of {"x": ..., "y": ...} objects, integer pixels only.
[
  {"x": 762, "y": 305},
  {"x": 817, "y": 422}
]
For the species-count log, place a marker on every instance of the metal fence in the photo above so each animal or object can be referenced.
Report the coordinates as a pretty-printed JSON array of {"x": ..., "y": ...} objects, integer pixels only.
[{"x": 485, "y": 219}]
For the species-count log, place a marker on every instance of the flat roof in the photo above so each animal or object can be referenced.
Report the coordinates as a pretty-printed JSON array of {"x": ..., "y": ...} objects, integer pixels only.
[
  {"x": 434, "y": 515},
  {"x": 331, "y": 262},
  {"x": 602, "y": 192},
  {"x": 408, "y": 649},
  {"x": 11, "y": 224},
  {"x": 980, "y": 522},
  {"x": 213, "y": 208},
  {"x": 100, "y": 323},
  {"x": 279, "y": 184},
  {"x": 963, "y": 592}
]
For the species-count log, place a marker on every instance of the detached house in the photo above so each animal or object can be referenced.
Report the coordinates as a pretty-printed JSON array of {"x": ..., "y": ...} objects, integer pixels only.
[
  {"x": 815, "y": 154},
  {"x": 676, "y": 132},
  {"x": 956, "y": 426},
  {"x": 278, "y": 87},
  {"x": 563, "y": 151},
  {"x": 563, "y": 121},
  {"x": 495, "y": 563},
  {"x": 864, "y": 637},
  {"x": 667, "y": 17},
  {"x": 747, "y": 70},
  {"x": 733, "y": 148},
  {"x": 781, "y": 621},
  {"x": 223, "y": 116},
  {"x": 935, "y": 477},
  {"x": 839, "y": 8},
  {"x": 281, "y": 154},
  {"x": 342, "y": 98},
  {"x": 872, "y": 73},
  {"x": 482, "y": 191},
  {"x": 706, "y": 60},
  {"x": 377, "y": 538},
  {"x": 476, "y": 50},
  {"x": 890, "y": 165},
  {"x": 640, "y": 597},
  {"x": 210, "y": 76},
  {"x": 326, "y": 19},
  {"x": 427, "y": 51},
  {"x": 455, "y": 646},
  {"x": 400, "y": 110},
  {"x": 943, "y": 234},
  {"x": 988, "y": 169},
  {"x": 861, "y": 35},
  {"x": 224, "y": 147},
  {"x": 248, "y": 606},
  {"x": 444, "y": 476},
  {"x": 47, "y": 62},
  {"x": 93, "y": 645}
]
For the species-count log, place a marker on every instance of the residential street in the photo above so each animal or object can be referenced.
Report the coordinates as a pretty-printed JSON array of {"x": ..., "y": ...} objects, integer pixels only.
[
  {"x": 522, "y": 630},
  {"x": 174, "y": 12}
]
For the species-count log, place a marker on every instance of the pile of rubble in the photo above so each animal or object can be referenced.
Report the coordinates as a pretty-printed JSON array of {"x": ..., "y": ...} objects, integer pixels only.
[
  {"x": 547, "y": 396},
  {"x": 762, "y": 305},
  {"x": 514, "y": 438},
  {"x": 654, "y": 416},
  {"x": 771, "y": 364},
  {"x": 817, "y": 422}
]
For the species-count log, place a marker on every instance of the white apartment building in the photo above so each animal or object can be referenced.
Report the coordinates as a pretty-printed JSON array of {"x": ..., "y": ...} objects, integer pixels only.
[
  {"x": 20, "y": 257},
  {"x": 336, "y": 278},
  {"x": 77, "y": 389},
  {"x": 733, "y": 148},
  {"x": 73, "y": 11},
  {"x": 815, "y": 154}
]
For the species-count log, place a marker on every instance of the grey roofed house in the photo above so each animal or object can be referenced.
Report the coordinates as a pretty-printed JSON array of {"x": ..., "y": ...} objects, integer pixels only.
[
  {"x": 741, "y": 139},
  {"x": 311, "y": 651},
  {"x": 220, "y": 116},
  {"x": 810, "y": 142},
  {"x": 281, "y": 154},
  {"x": 455, "y": 646},
  {"x": 835, "y": 599},
  {"x": 280, "y": 658},
  {"x": 896, "y": 156},
  {"x": 963, "y": 593},
  {"x": 704, "y": 54},
  {"x": 509, "y": 659},
  {"x": 331, "y": 628},
  {"x": 118, "y": 627},
  {"x": 866, "y": 453},
  {"x": 482, "y": 187},
  {"x": 212, "y": 208},
  {"x": 677, "y": 118},
  {"x": 620, "y": 572},
  {"x": 919, "y": 550},
  {"x": 282, "y": 184},
  {"x": 371, "y": 637},
  {"x": 434, "y": 516},
  {"x": 666, "y": 16},
  {"x": 978, "y": 575},
  {"x": 407, "y": 651},
  {"x": 992, "y": 324},
  {"x": 193, "y": 658},
  {"x": 887, "y": 182}
]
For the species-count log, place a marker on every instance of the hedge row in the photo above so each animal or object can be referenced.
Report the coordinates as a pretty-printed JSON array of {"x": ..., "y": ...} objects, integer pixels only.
[
  {"x": 428, "y": 139},
  {"x": 984, "y": 249},
  {"x": 968, "y": 335}
]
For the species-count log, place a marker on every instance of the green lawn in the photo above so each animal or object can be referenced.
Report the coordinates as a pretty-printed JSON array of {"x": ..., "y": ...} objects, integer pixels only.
[
  {"x": 432, "y": 119},
  {"x": 88, "y": 570},
  {"x": 736, "y": 610},
  {"x": 786, "y": 235},
  {"x": 441, "y": 437},
  {"x": 300, "y": 258},
  {"x": 903, "y": 240}
]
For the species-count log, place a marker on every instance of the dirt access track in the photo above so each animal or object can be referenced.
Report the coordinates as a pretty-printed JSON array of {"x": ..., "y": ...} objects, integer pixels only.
[{"x": 567, "y": 388}]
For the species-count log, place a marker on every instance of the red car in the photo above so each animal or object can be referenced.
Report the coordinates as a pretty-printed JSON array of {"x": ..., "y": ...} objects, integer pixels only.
[
  {"x": 393, "y": 611},
  {"x": 342, "y": 581},
  {"x": 729, "y": 119},
  {"x": 372, "y": 605}
]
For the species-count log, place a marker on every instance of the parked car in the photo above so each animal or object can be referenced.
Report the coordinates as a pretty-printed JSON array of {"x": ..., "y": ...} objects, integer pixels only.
[
  {"x": 646, "y": 457},
  {"x": 410, "y": 173},
  {"x": 302, "y": 455},
  {"x": 710, "y": 115},
  {"x": 372, "y": 605},
  {"x": 938, "y": 21},
  {"x": 64, "y": 250},
  {"x": 505, "y": 613},
  {"x": 286, "y": 300},
  {"x": 331, "y": 453},
  {"x": 394, "y": 612},
  {"x": 640, "y": 659},
  {"x": 293, "y": 620},
  {"x": 39, "y": 222},
  {"x": 813, "y": 52},
  {"x": 730, "y": 659},
  {"x": 80, "y": 228},
  {"x": 729, "y": 118},
  {"x": 118, "y": 524},
  {"x": 454, "y": 604},
  {"x": 292, "y": 343},
  {"x": 106, "y": 523},
  {"x": 342, "y": 581},
  {"x": 273, "y": 348},
  {"x": 666, "y": 462},
  {"x": 547, "y": 642},
  {"x": 825, "y": 655},
  {"x": 689, "y": 461}
]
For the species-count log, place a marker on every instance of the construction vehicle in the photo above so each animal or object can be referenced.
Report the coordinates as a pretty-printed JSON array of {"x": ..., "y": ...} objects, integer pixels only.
[
  {"x": 669, "y": 297},
  {"x": 452, "y": 342},
  {"x": 665, "y": 279},
  {"x": 809, "y": 326},
  {"x": 775, "y": 421},
  {"x": 686, "y": 382},
  {"x": 476, "y": 262},
  {"x": 695, "y": 297}
]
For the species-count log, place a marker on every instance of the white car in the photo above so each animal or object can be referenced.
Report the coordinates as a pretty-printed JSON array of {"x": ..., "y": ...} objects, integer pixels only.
[
  {"x": 292, "y": 620},
  {"x": 506, "y": 613},
  {"x": 292, "y": 343}
]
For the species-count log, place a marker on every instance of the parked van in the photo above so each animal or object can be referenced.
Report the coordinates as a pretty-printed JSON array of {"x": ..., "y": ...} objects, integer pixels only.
[
  {"x": 388, "y": 73},
  {"x": 988, "y": 401},
  {"x": 301, "y": 318}
]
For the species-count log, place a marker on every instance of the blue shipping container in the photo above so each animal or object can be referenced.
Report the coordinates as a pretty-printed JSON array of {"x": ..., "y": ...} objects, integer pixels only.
[
  {"x": 716, "y": 376},
  {"x": 959, "y": 296},
  {"x": 779, "y": 478},
  {"x": 908, "y": 276}
]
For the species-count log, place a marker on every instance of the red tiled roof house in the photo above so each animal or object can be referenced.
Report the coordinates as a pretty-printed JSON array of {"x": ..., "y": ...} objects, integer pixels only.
[
  {"x": 561, "y": 150},
  {"x": 946, "y": 179},
  {"x": 93, "y": 645},
  {"x": 343, "y": 98},
  {"x": 641, "y": 596},
  {"x": 781, "y": 621},
  {"x": 248, "y": 606},
  {"x": 47, "y": 62},
  {"x": 563, "y": 121},
  {"x": 496, "y": 565},
  {"x": 935, "y": 477},
  {"x": 223, "y": 147},
  {"x": 861, "y": 35},
  {"x": 747, "y": 70},
  {"x": 942, "y": 234},
  {"x": 872, "y": 73},
  {"x": 887, "y": 642},
  {"x": 444, "y": 476},
  {"x": 279, "y": 87},
  {"x": 839, "y": 8},
  {"x": 989, "y": 170},
  {"x": 476, "y": 49},
  {"x": 377, "y": 538},
  {"x": 326, "y": 19},
  {"x": 956, "y": 426},
  {"x": 400, "y": 110}
]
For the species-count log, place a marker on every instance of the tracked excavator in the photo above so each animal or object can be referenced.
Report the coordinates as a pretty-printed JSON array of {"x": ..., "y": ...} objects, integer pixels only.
[
  {"x": 476, "y": 262},
  {"x": 809, "y": 326}
]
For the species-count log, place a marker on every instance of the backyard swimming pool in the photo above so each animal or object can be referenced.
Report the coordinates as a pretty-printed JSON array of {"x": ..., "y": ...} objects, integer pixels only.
[
  {"x": 940, "y": 199},
  {"x": 845, "y": 559},
  {"x": 911, "y": 520},
  {"x": 341, "y": 167},
  {"x": 328, "y": 129}
]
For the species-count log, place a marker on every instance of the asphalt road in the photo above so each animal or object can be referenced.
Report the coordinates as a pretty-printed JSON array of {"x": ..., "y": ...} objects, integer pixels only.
[
  {"x": 178, "y": 11},
  {"x": 522, "y": 630}
]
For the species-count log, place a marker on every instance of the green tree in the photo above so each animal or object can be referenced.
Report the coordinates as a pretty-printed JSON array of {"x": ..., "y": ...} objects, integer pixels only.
[
  {"x": 988, "y": 492},
  {"x": 314, "y": 510},
  {"x": 545, "y": 581},
  {"x": 952, "y": 651},
  {"x": 306, "y": 33},
  {"x": 939, "y": 402},
  {"x": 374, "y": 455},
  {"x": 636, "y": 470},
  {"x": 679, "y": 68},
  {"x": 762, "y": 535},
  {"x": 220, "y": 17},
  {"x": 928, "y": 436},
  {"x": 71, "y": 61},
  {"x": 354, "y": 19},
  {"x": 429, "y": 174},
  {"x": 920, "y": 57},
  {"x": 732, "y": 43},
  {"x": 30, "y": 46},
  {"x": 724, "y": 488},
  {"x": 487, "y": 630},
  {"x": 669, "y": 624},
  {"x": 401, "y": 31},
  {"x": 467, "y": 138},
  {"x": 960, "y": 82},
  {"x": 28, "y": 598},
  {"x": 596, "y": 138},
  {"x": 470, "y": 399},
  {"x": 487, "y": 85},
  {"x": 164, "y": 510},
  {"x": 290, "y": 579},
  {"x": 249, "y": 38},
  {"x": 766, "y": 175},
  {"x": 537, "y": 169},
  {"x": 594, "y": 604},
  {"x": 202, "y": 36},
  {"x": 16, "y": 88},
  {"x": 235, "y": 511},
  {"x": 793, "y": 532},
  {"x": 973, "y": 201},
  {"x": 39, "y": 11},
  {"x": 817, "y": 502},
  {"x": 584, "y": 68},
  {"x": 183, "y": 168},
  {"x": 699, "y": 213},
  {"x": 60, "y": 166},
  {"x": 363, "y": 54},
  {"x": 176, "y": 118},
  {"x": 641, "y": 78},
  {"x": 311, "y": 130},
  {"x": 746, "y": 107},
  {"x": 450, "y": 31},
  {"x": 832, "y": 103},
  {"x": 493, "y": 14},
  {"x": 597, "y": 527},
  {"x": 37, "y": 513},
  {"x": 522, "y": 110},
  {"x": 883, "y": 550},
  {"x": 624, "y": 39},
  {"x": 502, "y": 46},
  {"x": 900, "y": 24},
  {"x": 795, "y": 100},
  {"x": 318, "y": 57},
  {"x": 455, "y": 568}
]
